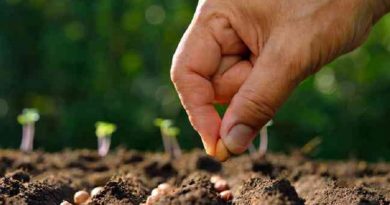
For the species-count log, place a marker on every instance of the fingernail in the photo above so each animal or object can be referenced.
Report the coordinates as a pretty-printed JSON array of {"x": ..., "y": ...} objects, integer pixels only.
[{"x": 238, "y": 139}]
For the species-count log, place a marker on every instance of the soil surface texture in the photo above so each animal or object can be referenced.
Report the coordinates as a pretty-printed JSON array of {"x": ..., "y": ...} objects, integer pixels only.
[{"x": 131, "y": 177}]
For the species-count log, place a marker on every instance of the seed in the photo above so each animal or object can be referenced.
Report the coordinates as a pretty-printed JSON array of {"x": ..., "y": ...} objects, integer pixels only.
[
  {"x": 155, "y": 192},
  {"x": 164, "y": 188},
  {"x": 65, "y": 203},
  {"x": 226, "y": 195},
  {"x": 95, "y": 191},
  {"x": 215, "y": 178},
  {"x": 221, "y": 185},
  {"x": 221, "y": 153},
  {"x": 81, "y": 197},
  {"x": 151, "y": 199}
]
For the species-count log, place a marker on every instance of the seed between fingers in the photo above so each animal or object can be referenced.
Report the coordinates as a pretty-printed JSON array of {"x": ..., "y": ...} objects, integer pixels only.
[{"x": 221, "y": 152}]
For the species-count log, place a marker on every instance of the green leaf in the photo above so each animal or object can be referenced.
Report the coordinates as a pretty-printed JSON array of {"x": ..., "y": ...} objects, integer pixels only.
[
  {"x": 173, "y": 131},
  {"x": 163, "y": 123},
  {"x": 166, "y": 126},
  {"x": 157, "y": 122},
  {"x": 104, "y": 129},
  {"x": 28, "y": 116}
]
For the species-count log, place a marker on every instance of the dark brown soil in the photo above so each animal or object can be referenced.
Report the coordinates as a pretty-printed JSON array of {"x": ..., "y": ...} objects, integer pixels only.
[
  {"x": 260, "y": 190},
  {"x": 122, "y": 190},
  {"x": 128, "y": 177},
  {"x": 195, "y": 189}
]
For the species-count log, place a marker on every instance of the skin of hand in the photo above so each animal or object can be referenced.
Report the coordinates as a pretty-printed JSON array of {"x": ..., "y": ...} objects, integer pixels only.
[{"x": 251, "y": 54}]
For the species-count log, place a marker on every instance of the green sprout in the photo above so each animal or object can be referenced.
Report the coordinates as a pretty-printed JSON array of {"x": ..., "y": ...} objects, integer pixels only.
[
  {"x": 104, "y": 130},
  {"x": 27, "y": 119},
  {"x": 169, "y": 135}
]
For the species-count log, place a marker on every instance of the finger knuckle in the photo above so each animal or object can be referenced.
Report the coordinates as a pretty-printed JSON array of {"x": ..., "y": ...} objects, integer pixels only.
[
  {"x": 175, "y": 75},
  {"x": 257, "y": 105}
]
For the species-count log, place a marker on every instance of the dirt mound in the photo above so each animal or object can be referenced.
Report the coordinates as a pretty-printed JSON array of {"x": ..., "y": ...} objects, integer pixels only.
[
  {"x": 122, "y": 190},
  {"x": 266, "y": 191},
  {"x": 195, "y": 189}
]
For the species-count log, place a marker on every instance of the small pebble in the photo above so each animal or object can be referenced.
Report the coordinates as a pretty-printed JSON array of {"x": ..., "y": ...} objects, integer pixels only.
[
  {"x": 215, "y": 178},
  {"x": 226, "y": 195},
  {"x": 81, "y": 197},
  {"x": 95, "y": 191},
  {"x": 221, "y": 185},
  {"x": 65, "y": 203}
]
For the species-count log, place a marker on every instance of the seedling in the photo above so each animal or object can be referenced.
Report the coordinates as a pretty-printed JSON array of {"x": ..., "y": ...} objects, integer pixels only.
[
  {"x": 27, "y": 119},
  {"x": 169, "y": 135},
  {"x": 264, "y": 139},
  {"x": 263, "y": 146},
  {"x": 104, "y": 131}
]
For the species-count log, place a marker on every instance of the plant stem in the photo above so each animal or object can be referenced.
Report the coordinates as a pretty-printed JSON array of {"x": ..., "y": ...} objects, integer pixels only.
[
  {"x": 104, "y": 145},
  {"x": 252, "y": 149},
  {"x": 166, "y": 143},
  {"x": 175, "y": 148},
  {"x": 28, "y": 137},
  {"x": 171, "y": 146},
  {"x": 263, "y": 141}
]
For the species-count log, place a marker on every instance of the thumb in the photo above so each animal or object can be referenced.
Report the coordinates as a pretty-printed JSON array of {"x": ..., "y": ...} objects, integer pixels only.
[{"x": 263, "y": 92}]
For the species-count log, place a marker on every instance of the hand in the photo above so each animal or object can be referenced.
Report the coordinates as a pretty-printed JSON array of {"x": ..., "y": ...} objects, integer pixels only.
[{"x": 251, "y": 54}]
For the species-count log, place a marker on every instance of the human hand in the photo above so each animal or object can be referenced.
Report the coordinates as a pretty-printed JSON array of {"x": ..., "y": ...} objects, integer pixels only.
[{"x": 251, "y": 54}]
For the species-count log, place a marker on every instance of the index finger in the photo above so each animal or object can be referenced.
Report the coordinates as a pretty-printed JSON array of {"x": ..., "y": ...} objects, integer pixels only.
[{"x": 196, "y": 60}]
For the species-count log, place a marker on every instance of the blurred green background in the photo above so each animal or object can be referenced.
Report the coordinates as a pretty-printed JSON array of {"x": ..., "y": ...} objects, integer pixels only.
[{"x": 83, "y": 61}]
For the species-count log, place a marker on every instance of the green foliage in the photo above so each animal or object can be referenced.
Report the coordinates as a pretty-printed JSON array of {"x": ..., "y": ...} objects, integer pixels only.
[
  {"x": 28, "y": 116},
  {"x": 104, "y": 129}
]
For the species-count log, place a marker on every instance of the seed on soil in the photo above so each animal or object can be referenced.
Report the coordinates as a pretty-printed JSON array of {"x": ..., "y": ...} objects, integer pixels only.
[
  {"x": 221, "y": 185},
  {"x": 215, "y": 178},
  {"x": 158, "y": 192},
  {"x": 226, "y": 195},
  {"x": 95, "y": 191},
  {"x": 65, "y": 203},
  {"x": 155, "y": 193},
  {"x": 164, "y": 188},
  {"x": 81, "y": 197},
  {"x": 221, "y": 152},
  {"x": 151, "y": 199}
]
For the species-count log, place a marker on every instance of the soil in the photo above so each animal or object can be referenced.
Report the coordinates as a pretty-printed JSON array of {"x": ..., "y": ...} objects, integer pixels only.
[{"x": 128, "y": 177}]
